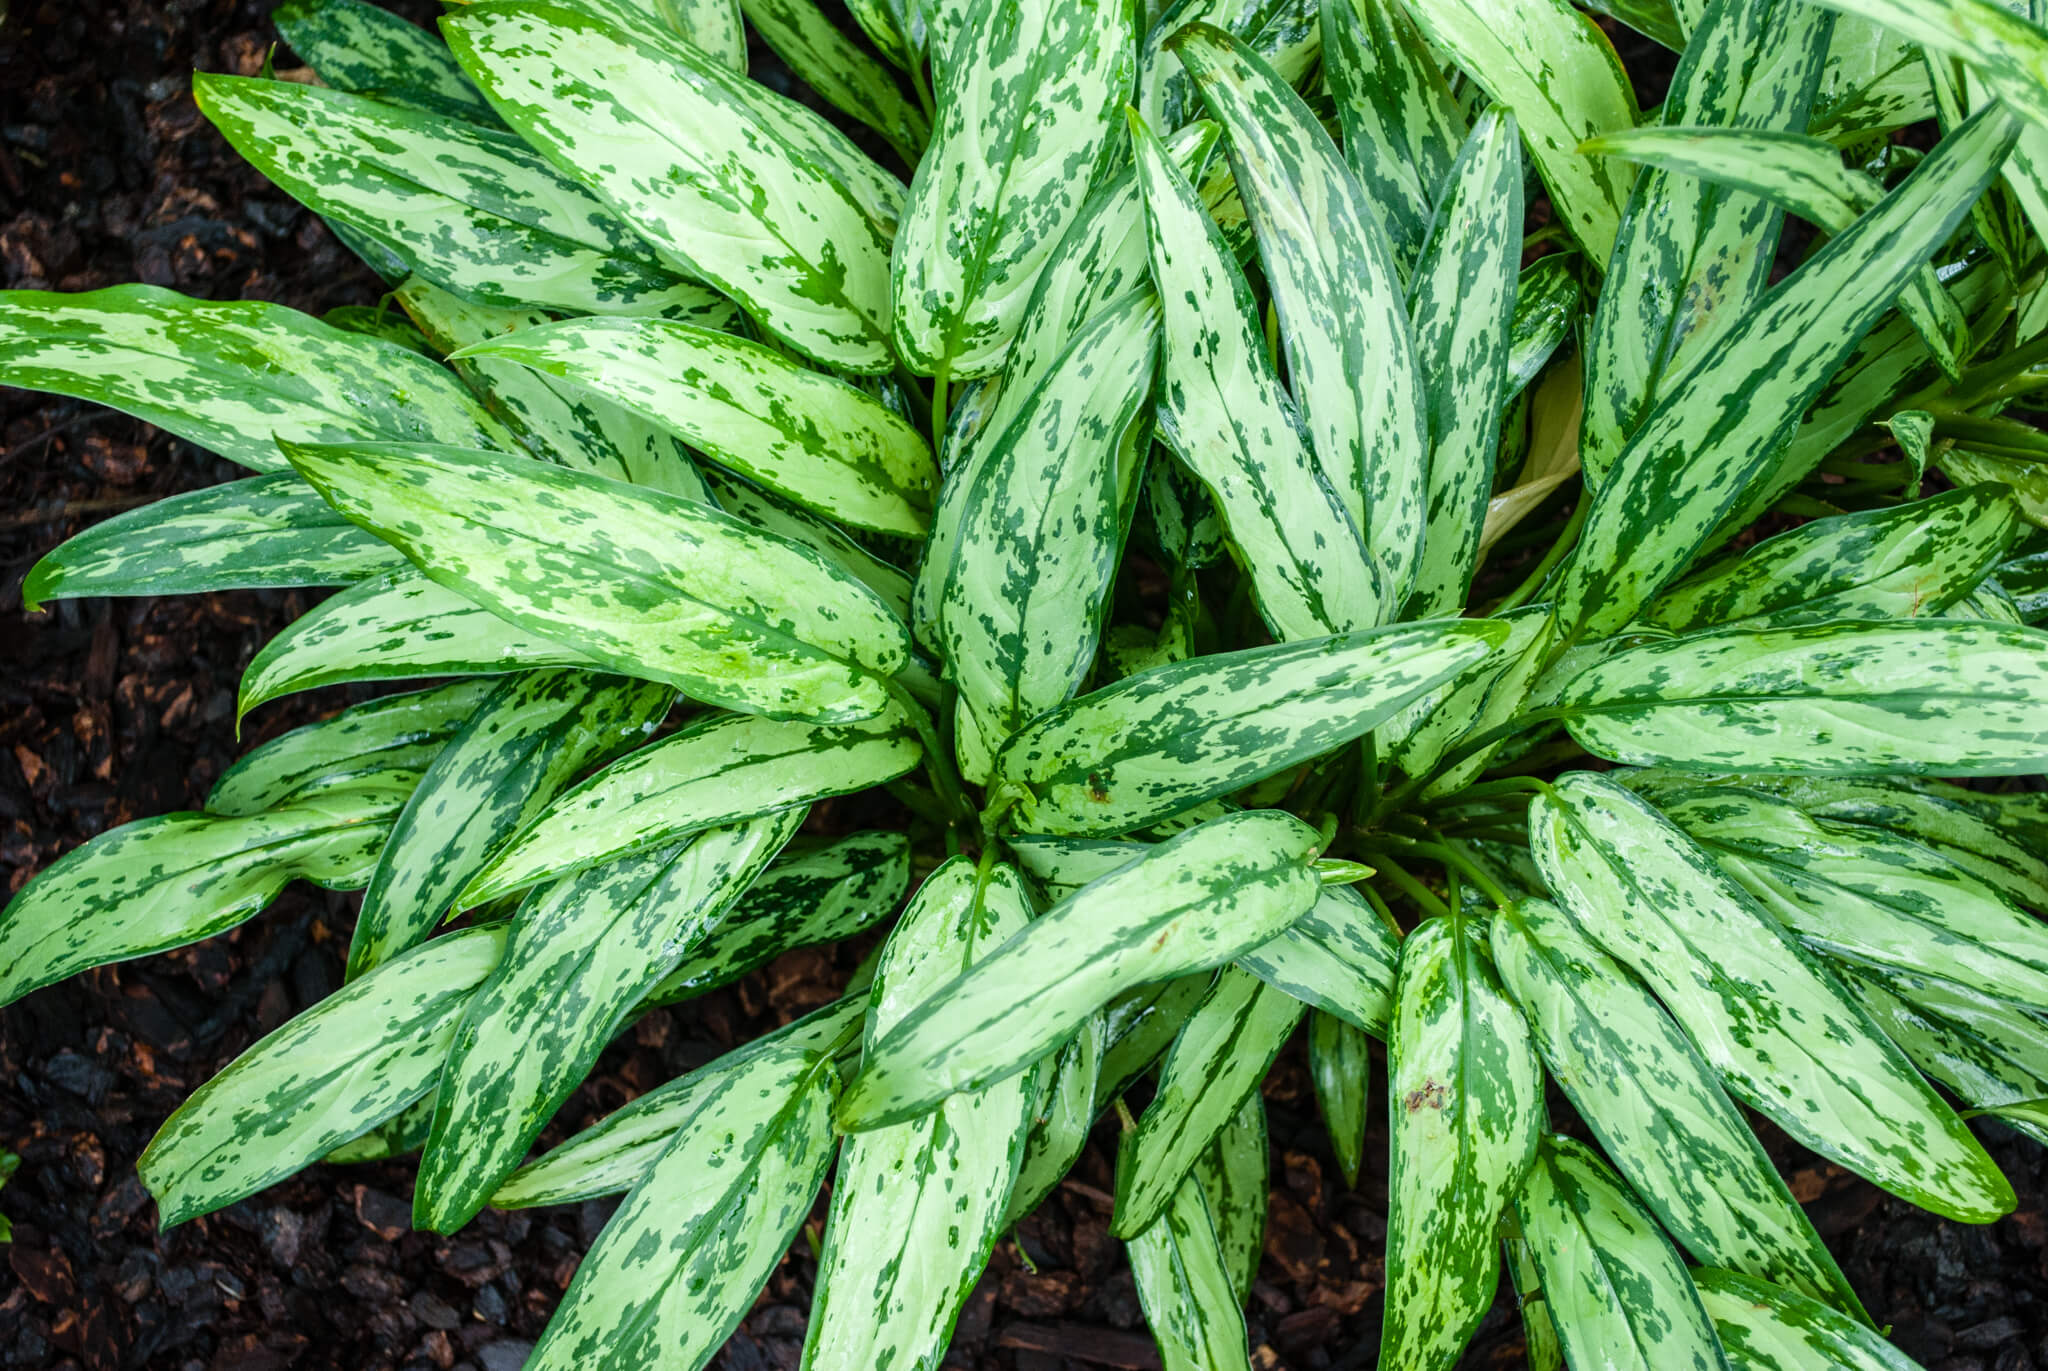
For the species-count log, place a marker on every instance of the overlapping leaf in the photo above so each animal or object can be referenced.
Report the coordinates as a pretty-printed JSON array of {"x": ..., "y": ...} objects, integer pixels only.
[
  {"x": 1222, "y": 412},
  {"x": 644, "y": 582},
  {"x": 233, "y": 376},
  {"x": 470, "y": 209},
  {"x": 1167, "y": 739},
  {"x": 581, "y": 955},
  {"x": 1555, "y": 69},
  {"x": 1464, "y": 1100},
  {"x": 1028, "y": 93},
  {"x": 919, "y": 1205},
  {"x": 259, "y": 533},
  {"x": 1718, "y": 430},
  {"x": 160, "y": 883},
  {"x": 384, "y": 744},
  {"x": 679, "y": 148},
  {"x": 395, "y": 626},
  {"x": 1613, "y": 1286},
  {"x": 1763, "y": 1011},
  {"x": 352, "y": 1061},
  {"x": 817, "y": 440},
  {"x": 1656, "y": 1107},
  {"x": 1215, "y": 1064},
  {"x": 1191, "y": 903},
  {"x": 1693, "y": 257},
  {"x": 1352, "y": 359},
  {"x": 720, "y": 770},
  {"x": 1842, "y": 698}
]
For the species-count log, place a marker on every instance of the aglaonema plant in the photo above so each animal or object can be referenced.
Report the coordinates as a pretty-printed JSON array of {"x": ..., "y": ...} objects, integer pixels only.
[{"x": 1324, "y": 517}]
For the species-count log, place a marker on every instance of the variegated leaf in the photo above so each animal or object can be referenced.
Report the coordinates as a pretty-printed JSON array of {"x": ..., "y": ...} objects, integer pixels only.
[
  {"x": 1988, "y": 1051},
  {"x": 1965, "y": 826},
  {"x": 1402, "y": 126},
  {"x": 681, "y": 1261},
  {"x": 582, "y": 954},
  {"x": 676, "y": 146},
  {"x": 1186, "y": 1287},
  {"x": 2010, "y": 50},
  {"x": 1806, "y": 177},
  {"x": 839, "y": 69},
  {"x": 1284, "y": 34},
  {"x": 720, "y": 769},
  {"x": 1463, "y": 306},
  {"x": 1193, "y": 902},
  {"x": 468, "y": 208},
  {"x": 1866, "y": 896},
  {"x": 350, "y": 1062},
  {"x": 1215, "y": 1064},
  {"x": 1766, "y": 1328},
  {"x": 1614, "y": 1287},
  {"x": 1656, "y": 1107},
  {"x": 1556, "y": 70},
  {"x": 259, "y": 533},
  {"x": 1222, "y": 412},
  {"x": 1338, "y": 958},
  {"x": 1027, "y": 97},
  {"x": 644, "y": 582},
  {"x": 232, "y": 376},
  {"x": 1465, "y": 1101},
  {"x": 819, "y": 896},
  {"x": 1903, "y": 562},
  {"x": 357, "y": 46},
  {"x": 1041, "y": 531},
  {"x": 1341, "y": 1067},
  {"x": 1546, "y": 311},
  {"x": 1101, "y": 260},
  {"x": 1234, "y": 1174},
  {"x": 1865, "y": 387},
  {"x": 785, "y": 520},
  {"x": 1139, "y": 1025},
  {"x": 714, "y": 26},
  {"x": 1168, "y": 739},
  {"x": 1692, "y": 257},
  {"x": 395, "y": 626},
  {"x": 614, "y": 1153},
  {"x": 815, "y": 439},
  {"x": 1481, "y": 698},
  {"x": 1874, "y": 82},
  {"x": 398, "y": 1136},
  {"x": 888, "y": 25},
  {"x": 555, "y": 420},
  {"x": 918, "y": 1206},
  {"x": 1720, "y": 427},
  {"x": 1352, "y": 358},
  {"x": 514, "y": 752},
  {"x": 163, "y": 882},
  {"x": 1931, "y": 695},
  {"x": 1787, "y": 1038},
  {"x": 383, "y": 744},
  {"x": 1066, "y": 1107},
  {"x": 1539, "y": 1331}
]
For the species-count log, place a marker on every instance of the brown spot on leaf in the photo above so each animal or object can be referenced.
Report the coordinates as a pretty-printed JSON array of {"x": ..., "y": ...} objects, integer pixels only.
[{"x": 1431, "y": 1095}]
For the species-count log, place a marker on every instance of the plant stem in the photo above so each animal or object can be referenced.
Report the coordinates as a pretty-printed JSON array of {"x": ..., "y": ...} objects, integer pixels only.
[
  {"x": 1409, "y": 886},
  {"x": 940, "y": 404},
  {"x": 938, "y": 763},
  {"x": 1379, "y": 907},
  {"x": 1455, "y": 859},
  {"x": 923, "y": 86},
  {"x": 1566, "y": 538}
]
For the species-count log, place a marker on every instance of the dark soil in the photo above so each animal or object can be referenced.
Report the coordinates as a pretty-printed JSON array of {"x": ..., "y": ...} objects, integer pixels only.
[{"x": 113, "y": 710}]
